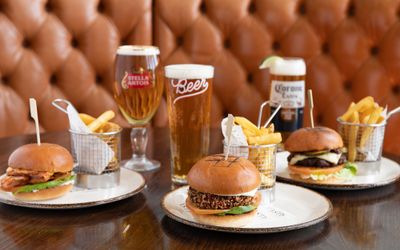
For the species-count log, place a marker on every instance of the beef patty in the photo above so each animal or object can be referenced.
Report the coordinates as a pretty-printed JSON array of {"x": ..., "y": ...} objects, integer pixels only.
[
  {"x": 212, "y": 201},
  {"x": 317, "y": 162}
]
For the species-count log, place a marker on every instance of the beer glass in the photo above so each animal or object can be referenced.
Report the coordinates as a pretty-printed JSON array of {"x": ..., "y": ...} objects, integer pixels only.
[
  {"x": 138, "y": 88},
  {"x": 189, "y": 88},
  {"x": 288, "y": 88}
]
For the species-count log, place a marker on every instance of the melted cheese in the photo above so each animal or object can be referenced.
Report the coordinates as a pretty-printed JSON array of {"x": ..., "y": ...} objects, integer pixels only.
[{"x": 329, "y": 157}]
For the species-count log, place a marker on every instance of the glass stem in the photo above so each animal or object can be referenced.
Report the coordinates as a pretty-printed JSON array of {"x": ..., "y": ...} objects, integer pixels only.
[{"x": 139, "y": 142}]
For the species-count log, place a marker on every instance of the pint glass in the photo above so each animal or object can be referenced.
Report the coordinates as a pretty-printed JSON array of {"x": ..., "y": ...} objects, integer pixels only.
[{"x": 189, "y": 88}]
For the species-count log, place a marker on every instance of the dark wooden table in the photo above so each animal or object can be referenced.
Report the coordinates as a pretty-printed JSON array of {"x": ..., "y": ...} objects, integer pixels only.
[{"x": 368, "y": 219}]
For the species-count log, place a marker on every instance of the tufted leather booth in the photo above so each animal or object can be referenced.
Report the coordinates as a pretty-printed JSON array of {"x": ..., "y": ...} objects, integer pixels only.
[{"x": 64, "y": 48}]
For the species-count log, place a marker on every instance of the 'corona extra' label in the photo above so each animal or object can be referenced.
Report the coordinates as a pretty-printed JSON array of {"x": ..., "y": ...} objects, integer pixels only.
[
  {"x": 136, "y": 80},
  {"x": 290, "y": 94}
]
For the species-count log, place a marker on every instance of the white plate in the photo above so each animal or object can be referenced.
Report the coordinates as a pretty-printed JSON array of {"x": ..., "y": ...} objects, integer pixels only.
[
  {"x": 131, "y": 183},
  {"x": 389, "y": 172},
  {"x": 294, "y": 208}
]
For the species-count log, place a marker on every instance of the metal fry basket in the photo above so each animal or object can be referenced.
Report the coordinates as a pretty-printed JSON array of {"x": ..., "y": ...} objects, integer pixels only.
[
  {"x": 366, "y": 138},
  {"x": 93, "y": 155},
  {"x": 263, "y": 157}
]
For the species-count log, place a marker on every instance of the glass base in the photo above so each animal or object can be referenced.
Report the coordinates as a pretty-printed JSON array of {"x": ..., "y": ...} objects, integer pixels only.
[
  {"x": 141, "y": 164},
  {"x": 179, "y": 179},
  {"x": 267, "y": 195}
]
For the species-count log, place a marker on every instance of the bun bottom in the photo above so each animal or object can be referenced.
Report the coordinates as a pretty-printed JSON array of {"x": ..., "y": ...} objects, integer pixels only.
[
  {"x": 331, "y": 180},
  {"x": 45, "y": 194}
]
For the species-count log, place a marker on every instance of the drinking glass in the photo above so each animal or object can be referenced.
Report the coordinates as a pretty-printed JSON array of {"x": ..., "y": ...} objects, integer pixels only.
[
  {"x": 138, "y": 88},
  {"x": 189, "y": 88}
]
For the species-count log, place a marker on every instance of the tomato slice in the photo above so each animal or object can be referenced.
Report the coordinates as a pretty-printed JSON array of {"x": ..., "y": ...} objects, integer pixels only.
[{"x": 301, "y": 170}]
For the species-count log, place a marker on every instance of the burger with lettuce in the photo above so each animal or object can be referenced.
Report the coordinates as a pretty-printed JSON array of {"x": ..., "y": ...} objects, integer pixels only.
[
  {"x": 317, "y": 155},
  {"x": 223, "y": 192},
  {"x": 38, "y": 172}
]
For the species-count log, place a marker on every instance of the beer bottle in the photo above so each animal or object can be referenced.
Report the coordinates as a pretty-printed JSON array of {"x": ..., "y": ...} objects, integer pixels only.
[{"x": 288, "y": 88}]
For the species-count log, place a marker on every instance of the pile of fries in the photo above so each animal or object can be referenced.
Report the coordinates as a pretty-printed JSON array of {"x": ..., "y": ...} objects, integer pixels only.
[
  {"x": 262, "y": 148},
  {"x": 366, "y": 112},
  {"x": 100, "y": 124}
]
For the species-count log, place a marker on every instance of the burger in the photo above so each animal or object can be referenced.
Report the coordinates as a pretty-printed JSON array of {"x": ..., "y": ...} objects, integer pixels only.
[
  {"x": 317, "y": 155},
  {"x": 223, "y": 192},
  {"x": 38, "y": 172}
]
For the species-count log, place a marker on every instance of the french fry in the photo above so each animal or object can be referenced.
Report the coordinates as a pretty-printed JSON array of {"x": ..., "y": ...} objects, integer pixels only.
[
  {"x": 246, "y": 124},
  {"x": 363, "y": 105},
  {"x": 373, "y": 119},
  {"x": 87, "y": 119},
  {"x": 101, "y": 120},
  {"x": 273, "y": 138},
  {"x": 352, "y": 147},
  {"x": 380, "y": 119}
]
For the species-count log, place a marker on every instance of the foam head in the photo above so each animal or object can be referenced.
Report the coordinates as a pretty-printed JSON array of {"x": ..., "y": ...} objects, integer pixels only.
[
  {"x": 137, "y": 50},
  {"x": 189, "y": 71},
  {"x": 289, "y": 66}
]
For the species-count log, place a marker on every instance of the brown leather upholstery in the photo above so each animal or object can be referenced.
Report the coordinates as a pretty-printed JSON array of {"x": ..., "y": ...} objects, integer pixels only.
[
  {"x": 352, "y": 49},
  {"x": 64, "y": 48}
]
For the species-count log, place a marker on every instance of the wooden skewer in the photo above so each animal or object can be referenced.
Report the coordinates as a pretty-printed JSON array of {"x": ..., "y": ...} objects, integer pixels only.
[
  {"x": 34, "y": 115},
  {"x": 229, "y": 126},
  {"x": 311, "y": 104}
]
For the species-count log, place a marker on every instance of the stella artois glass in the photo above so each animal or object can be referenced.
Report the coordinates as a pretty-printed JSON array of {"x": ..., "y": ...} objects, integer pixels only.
[
  {"x": 189, "y": 88},
  {"x": 287, "y": 88},
  {"x": 138, "y": 88}
]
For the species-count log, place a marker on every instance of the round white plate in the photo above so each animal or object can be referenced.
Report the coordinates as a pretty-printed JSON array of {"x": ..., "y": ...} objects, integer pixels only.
[
  {"x": 294, "y": 207},
  {"x": 131, "y": 183},
  {"x": 388, "y": 173}
]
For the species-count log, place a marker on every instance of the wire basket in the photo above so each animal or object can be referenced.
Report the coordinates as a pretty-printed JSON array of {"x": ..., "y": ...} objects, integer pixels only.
[
  {"x": 364, "y": 142},
  {"x": 263, "y": 157},
  {"x": 113, "y": 140}
]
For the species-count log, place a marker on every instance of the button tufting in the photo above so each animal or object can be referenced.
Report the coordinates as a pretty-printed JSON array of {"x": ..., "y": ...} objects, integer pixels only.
[
  {"x": 250, "y": 78},
  {"x": 351, "y": 10},
  {"x": 179, "y": 41},
  {"x": 302, "y": 9},
  {"x": 252, "y": 8},
  {"x": 4, "y": 80},
  {"x": 53, "y": 79},
  {"x": 203, "y": 8},
  {"x": 325, "y": 48},
  {"x": 347, "y": 85},
  {"x": 276, "y": 45},
  {"x": 26, "y": 43},
  {"x": 74, "y": 43},
  {"x": 374, "y": 50},
  {"x": 227, "y": 44},
  {"x": 396, "y": 89},
  {"x": 99, "y": 79}
]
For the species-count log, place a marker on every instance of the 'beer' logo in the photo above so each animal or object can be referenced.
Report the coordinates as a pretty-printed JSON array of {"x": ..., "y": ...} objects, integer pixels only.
[
  {"x": 185, "y": 88},
  {"x": 135, "y": 80}
]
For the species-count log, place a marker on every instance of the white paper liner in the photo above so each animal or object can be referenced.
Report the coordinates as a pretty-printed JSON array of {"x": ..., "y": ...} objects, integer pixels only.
[
  {"x": 238, "y": 138},
  {"x": 92, "y": 153}
]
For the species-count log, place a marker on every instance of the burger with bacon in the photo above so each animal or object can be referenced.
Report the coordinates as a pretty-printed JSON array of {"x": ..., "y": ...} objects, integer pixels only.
[
  {"x": 38, "y": 172},
  {"x": 223, "y": 192}
]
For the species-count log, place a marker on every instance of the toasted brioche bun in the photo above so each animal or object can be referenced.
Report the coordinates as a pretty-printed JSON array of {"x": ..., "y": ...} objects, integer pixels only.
[
  {"x": 210, "y": 217},
  {"x": 313, "y": 139},
  {"x": 331, "y": 180},
  {"x": 303, "y": 170},
  {"x": 215, "y": 175},
  {"x": 46, "y": 157},
  {"x": 45, "y": 194}
]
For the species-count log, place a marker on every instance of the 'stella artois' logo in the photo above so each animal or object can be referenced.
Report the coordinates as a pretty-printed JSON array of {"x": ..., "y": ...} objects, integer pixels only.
[
  {"x": 185, "y": 89},
  {"x": 135, "y": 80}
]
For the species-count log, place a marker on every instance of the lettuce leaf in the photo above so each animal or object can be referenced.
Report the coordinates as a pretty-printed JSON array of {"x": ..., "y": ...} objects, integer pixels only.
[
  {"x": 348, "y": 172},
  {"x": 44, "y": 185},
  {"x": 239, "y": 210}
]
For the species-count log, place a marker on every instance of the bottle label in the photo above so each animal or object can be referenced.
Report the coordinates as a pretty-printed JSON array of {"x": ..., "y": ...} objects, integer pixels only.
[
  {"x": 184, "y": 88},
  {"x": 290, "y": 94},
  {"x": 136, "y": 80}
]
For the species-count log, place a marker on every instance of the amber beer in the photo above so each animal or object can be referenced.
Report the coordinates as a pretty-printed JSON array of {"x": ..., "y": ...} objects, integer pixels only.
[
  {"x": 138, "y": 88},
  {"x": 288, "y": 88},
  {"x": 138, "y": 83},
  {"x": 189, "y": 88}
]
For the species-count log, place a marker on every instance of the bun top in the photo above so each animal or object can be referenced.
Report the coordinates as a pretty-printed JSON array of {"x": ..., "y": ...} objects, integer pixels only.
[
  {"x": 313, "y": 139},
  {"x": 213, "y": 174},
  {"x": 46, "y": 157}
]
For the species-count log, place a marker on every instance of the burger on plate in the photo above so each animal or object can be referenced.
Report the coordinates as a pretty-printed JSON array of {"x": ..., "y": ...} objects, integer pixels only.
[
  {"x": 317, "y": 155},
  {"x": 39, "y": 172},
  {"x": 223, "y": 192}
]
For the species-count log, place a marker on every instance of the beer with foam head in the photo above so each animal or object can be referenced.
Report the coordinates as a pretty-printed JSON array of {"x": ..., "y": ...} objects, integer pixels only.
[
  {"x": 288, "y": 88},
  {"x": 189, "y": 89}
]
